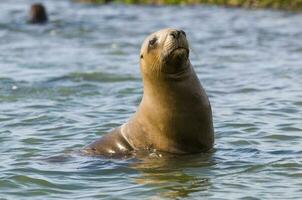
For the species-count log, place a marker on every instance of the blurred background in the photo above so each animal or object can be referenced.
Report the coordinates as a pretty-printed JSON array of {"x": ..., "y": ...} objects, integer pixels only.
[{"x": 71, "y": 78}]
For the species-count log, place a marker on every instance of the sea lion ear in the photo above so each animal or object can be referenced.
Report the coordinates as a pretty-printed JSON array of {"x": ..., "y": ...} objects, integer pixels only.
[{"x": 141, "y": 56}]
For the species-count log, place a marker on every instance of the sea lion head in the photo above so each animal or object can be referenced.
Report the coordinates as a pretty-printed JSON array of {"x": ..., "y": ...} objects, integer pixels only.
[
  {"x": 165, "y": 52},
  {"x": 37, "y": 14}
]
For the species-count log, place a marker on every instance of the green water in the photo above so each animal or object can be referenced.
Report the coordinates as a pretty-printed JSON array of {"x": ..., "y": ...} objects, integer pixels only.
[{"x": 67, "y": 83}]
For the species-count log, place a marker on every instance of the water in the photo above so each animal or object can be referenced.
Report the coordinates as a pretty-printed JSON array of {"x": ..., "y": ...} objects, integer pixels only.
[{"x": 67, "y": 83}]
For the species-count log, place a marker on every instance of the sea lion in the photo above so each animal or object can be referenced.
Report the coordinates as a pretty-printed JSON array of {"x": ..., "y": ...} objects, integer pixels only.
[
  {"x": 37, "y": 14},
  {"x": 174, "y": 114}
]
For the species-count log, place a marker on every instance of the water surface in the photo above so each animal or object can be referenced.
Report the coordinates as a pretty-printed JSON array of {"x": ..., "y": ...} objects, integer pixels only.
[{"x": 67, "y": 83}]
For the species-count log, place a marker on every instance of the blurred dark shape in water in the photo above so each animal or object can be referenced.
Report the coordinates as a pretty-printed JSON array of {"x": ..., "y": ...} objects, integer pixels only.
[{"x": 37, "y": 14}]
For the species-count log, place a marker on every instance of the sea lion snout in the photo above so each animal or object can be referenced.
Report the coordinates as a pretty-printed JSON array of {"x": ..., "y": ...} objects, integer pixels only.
[
  {"x": 176, "y": 51},
  {"x": 177, "y": 40},
  {"x": 177, "y": 33}
]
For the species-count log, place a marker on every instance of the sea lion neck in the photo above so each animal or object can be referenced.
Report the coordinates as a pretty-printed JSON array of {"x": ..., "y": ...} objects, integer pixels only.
[
  {"x": 172, "y": 85},
  {"x": 181, "y": 72}
]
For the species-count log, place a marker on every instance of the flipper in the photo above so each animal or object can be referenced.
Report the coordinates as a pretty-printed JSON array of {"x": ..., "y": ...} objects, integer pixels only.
[{"x": 111, "y": 144}]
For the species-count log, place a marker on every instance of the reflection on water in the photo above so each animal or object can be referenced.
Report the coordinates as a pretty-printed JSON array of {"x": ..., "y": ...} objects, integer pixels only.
[
  {"x": 169, "y": 174},
  {"x": 64, "y": 84}
]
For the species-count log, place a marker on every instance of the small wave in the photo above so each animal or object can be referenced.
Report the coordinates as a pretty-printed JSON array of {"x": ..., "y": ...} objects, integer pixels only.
[
  {"x": 282, "y": 137},
  {"x": 94, "y": 77}
]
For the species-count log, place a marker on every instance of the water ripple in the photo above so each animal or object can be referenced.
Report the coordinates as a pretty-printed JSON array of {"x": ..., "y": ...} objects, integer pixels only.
[{"x": 66, "y": 83}]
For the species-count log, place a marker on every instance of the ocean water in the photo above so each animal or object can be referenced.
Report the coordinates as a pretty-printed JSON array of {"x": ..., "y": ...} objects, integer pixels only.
[{"x": 69, "y": 82}]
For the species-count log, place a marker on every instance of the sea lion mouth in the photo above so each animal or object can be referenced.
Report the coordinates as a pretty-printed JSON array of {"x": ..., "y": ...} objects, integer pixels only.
[
  {"x": 179, "y": 50},
  {"x": 177, "y": 54},
  {"x": 175, "y": 61}
]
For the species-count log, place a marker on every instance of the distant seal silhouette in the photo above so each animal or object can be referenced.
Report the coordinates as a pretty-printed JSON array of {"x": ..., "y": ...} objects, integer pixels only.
[
  {"x": 174, "y": 114},
  {"x": 37, "y": 14}
]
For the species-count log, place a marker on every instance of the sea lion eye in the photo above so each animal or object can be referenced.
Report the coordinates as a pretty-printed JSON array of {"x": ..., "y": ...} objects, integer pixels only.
[{"x": 152, "y": 41}]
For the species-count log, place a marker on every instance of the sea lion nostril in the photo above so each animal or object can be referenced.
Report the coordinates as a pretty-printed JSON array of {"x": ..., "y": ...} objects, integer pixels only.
[
  {"x": 184, "y": 33},
  {"x": 175, "y": 34}
]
